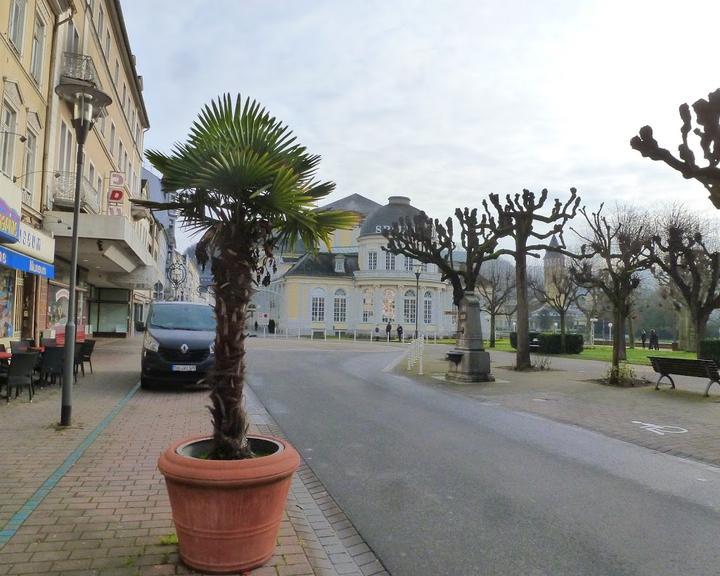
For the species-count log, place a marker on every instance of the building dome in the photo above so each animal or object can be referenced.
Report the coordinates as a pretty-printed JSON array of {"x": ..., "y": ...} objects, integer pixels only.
[{"x": 382, "y": 218}]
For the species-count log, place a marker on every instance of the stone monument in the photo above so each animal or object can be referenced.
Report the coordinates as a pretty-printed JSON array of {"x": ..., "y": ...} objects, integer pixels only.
[{"x": 468, "y": 361}]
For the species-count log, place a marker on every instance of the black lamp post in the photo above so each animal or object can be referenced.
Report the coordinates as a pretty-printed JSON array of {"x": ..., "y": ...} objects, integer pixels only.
[{"x": 88, "y": 103}]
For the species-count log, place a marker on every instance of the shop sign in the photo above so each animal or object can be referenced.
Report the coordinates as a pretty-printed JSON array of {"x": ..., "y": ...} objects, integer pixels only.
[
  {"x": 13, "y": 259},
  {"x": 116, "y": 194},
  {"x": 35, "y": 243},
  {"x": 9, "y": 212}
]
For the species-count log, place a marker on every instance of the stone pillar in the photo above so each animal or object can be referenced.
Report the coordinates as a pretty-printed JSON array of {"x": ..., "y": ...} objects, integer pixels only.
[{"x": 468, "y": 361}]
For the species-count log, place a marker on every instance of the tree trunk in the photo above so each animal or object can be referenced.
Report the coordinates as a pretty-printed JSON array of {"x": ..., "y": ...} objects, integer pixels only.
[
  {"x": 233, "y": 289},
  {"x": 700, "y": 331},
  {"x": 620, "y": 327},
  {"x": 492, "y": 331},
  {"x": 563, "y": 349},
  {"x": 522, "y": 356},
  {"x": 615, "y": 370},
  {"x": 631, "y": 332}
]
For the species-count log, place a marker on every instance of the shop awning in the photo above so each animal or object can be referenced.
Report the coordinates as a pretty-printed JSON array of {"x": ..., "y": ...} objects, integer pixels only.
[{"x": 13, "y": 259}]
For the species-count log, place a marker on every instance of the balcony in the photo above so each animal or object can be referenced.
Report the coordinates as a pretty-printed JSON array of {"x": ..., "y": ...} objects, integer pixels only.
[
  {"x": 64, "y": 193},
  {"x": 79, "y": 67}
]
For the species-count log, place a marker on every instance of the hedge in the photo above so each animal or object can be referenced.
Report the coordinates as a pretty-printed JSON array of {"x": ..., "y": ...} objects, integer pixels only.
[
  {"x": 710, "y": 349},
  {"x": 550, "y": 342}
]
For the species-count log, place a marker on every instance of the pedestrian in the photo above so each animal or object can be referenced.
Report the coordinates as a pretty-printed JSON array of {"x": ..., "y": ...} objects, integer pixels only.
[
  {"x": 400, "y": 332},
  {"x": 388, "y": 330},
  {"x": 256, "y": 326},
  {"x": 643, "y": 337},
  {"x": 654, "y": 344}
]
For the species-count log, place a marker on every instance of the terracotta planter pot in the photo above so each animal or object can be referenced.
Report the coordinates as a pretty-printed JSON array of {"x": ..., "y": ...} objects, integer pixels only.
[{"x": 227, "y": 513}]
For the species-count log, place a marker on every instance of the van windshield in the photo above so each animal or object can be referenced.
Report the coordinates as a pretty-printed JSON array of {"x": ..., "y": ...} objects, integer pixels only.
[{"x": 182, "y": 317}]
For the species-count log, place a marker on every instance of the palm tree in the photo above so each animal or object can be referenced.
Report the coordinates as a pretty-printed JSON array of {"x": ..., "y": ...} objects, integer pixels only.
[{"x": 244, "y": 181}]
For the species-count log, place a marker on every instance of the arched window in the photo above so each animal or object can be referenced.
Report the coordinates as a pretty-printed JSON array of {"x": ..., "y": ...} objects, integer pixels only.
[
  {"x": 317, "y": 307},
  {"x": 389, "y": 261},
  {"x": 367, "y": 312},
  {"x": 409, "y": 307},
  {"x": 340, "y": 306},
  {"x": 389, "y": 305},
  {"x": 427, "y": 308}
]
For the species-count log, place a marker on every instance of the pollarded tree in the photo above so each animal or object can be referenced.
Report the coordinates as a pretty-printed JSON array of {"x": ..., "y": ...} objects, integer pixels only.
[
  {"x": 426, "y": 240},
  {"x": 559, "y": 291},
  {"x": 496, "y": 289},
  {"x": 707, "y": 115},
  {"x": 620, "y": 248},
  {"x": 521, "y": 214},
  {"x": 685, "y": 255},
  {"x": 592, "y": 303},
  {"x": 243, "y": 180}
]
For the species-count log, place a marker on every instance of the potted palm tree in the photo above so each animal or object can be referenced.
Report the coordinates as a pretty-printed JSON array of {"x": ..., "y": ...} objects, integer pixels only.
[{"x": 242, "y": 180}]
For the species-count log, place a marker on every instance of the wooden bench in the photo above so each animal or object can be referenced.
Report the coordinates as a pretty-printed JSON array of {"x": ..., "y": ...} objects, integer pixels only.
[
  {"x": 685, "y": 367},
  {"x": 454, "y": 356}
]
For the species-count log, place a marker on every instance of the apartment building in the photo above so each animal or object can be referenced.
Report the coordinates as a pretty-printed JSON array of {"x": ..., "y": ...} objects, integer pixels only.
[
  {"x": 27, "y": 59},
  {"x": 118, "y": 242}
]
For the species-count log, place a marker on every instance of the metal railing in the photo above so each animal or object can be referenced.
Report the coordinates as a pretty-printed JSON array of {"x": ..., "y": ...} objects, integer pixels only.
[
  {"x": 64, "y": 192},
  {"x": 79, "y": 67}
]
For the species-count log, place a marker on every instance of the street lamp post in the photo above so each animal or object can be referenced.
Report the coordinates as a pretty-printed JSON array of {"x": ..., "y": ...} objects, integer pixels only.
[
  {"x": 417, "y": 300},
  {"x": 610, "y": 325},
  {"x": 88, "y": 103}
]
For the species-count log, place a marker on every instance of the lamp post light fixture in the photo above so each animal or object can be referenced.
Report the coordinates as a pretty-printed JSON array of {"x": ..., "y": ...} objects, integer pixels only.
[
  {"x": 592, "y": 331},
  {"x": 610, "y": 325},
  {"x": 20, "y": 136},
  {"x": 88, "y": 103}
]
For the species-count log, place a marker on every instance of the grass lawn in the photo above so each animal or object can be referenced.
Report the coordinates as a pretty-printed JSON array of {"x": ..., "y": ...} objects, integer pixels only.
[{"x": 602, "y": 353}]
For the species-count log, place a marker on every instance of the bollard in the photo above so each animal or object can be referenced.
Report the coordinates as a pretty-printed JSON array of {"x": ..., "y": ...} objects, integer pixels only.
[
  {"x": 354, "y": 335},
  {"x": 324, "y": 334}
]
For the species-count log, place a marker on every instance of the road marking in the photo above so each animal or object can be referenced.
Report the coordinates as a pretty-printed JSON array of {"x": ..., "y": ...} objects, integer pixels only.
[
  {"x": 18, "y": 519},
  {"x": 660, "y": 430}
]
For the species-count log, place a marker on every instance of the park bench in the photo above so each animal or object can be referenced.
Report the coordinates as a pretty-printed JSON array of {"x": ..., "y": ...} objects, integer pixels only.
[
  {"x": 685, "y": 367},
  {"x": 454, "y": 356}
]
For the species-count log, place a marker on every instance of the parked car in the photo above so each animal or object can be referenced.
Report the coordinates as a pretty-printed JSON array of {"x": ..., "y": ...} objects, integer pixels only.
[{"x": 178, "y": 347}]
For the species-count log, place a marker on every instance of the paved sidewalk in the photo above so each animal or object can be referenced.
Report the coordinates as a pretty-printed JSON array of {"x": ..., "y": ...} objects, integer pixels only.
[
  {"x": 108, "y": 514},
  {"x": 570, "y": 393}
]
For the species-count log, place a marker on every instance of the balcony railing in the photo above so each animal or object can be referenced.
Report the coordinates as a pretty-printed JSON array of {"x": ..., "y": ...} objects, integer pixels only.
[
  {"x": 80, "y": 67},
  {"x": 64, "y": 193}
]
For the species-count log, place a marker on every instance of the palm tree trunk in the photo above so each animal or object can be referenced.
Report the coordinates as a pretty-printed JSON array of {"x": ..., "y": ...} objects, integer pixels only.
[{"x": 233, "y": 290}]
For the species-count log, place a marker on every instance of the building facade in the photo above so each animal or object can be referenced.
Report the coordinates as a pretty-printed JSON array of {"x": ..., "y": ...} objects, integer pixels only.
[
  {"x": 27, "y": 253},
  {"x": 118, "y": 242},
  {"x": 355, "y": 286}
]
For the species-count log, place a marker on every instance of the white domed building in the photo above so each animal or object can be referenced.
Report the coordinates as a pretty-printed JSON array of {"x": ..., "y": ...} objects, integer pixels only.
[{"x": 356, "y": 286}]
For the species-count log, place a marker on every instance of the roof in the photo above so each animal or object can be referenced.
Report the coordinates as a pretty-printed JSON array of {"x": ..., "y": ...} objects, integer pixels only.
[
  {"x": 384, "y": 217},
  {"x": 322, "y": 264},
  {"x": 353, "y": 203}
]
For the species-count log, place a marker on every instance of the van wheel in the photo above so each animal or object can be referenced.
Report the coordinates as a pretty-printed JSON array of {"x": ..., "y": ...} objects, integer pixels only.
[{"x": 145, "y": 383}]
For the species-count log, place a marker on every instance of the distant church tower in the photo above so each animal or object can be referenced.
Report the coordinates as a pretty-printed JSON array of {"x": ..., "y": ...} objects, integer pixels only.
[{"x": 553, "y": 264}]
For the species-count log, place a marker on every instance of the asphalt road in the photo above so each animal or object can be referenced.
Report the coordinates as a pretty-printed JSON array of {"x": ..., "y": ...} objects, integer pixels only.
[{"x": 438, "y": 484}]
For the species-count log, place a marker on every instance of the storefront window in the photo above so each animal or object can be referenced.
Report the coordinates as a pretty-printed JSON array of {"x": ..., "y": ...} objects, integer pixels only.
[{"x": 7, "y": 302}]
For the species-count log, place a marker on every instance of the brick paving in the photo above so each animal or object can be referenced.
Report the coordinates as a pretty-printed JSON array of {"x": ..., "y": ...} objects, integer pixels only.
[
  {"x": 569, "y": 393},
  {"x": 109, "y": 514}
]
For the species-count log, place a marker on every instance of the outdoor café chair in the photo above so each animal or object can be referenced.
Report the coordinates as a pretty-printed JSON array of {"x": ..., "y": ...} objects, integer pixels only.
[
  {"x": 18, "y": 346},
  {"x": 20, "y": 374},
  {"x": 87, "y": 349},
  {"x": 51, "y": 366}
]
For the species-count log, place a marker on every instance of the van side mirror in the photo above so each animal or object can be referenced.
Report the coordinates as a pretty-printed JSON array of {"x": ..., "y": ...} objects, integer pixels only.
[{"x": 139, "y": 326}]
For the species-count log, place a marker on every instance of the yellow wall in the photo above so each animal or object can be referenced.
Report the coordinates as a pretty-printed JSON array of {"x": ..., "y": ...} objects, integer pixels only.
[{"x": 27, "y": 95}]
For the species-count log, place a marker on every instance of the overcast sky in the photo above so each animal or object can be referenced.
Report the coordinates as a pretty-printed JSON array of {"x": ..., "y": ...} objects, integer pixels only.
[{"x": 444, "y": 101}]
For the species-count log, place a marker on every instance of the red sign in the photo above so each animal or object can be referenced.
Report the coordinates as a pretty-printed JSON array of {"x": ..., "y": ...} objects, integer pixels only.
[{"x": 116, "y": 195}]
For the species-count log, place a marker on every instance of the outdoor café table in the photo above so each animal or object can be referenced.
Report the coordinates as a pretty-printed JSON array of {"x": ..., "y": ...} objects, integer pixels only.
[{"x": 5, "y": 356}]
